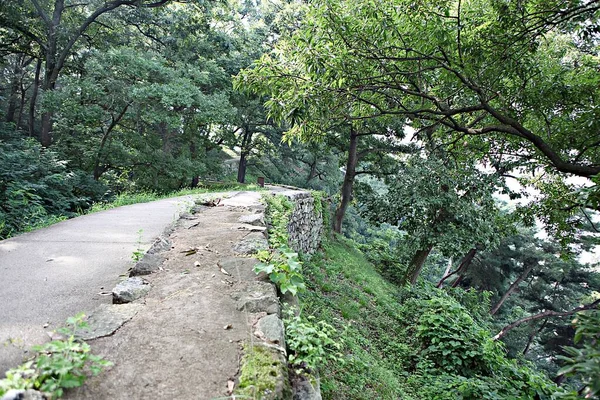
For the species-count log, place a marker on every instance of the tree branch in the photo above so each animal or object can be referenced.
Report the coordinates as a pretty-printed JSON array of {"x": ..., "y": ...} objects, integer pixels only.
[{"x": 542, "y": 315}]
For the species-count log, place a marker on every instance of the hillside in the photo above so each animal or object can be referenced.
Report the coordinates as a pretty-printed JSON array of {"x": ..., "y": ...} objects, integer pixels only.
[{"x": 408, "y": 343}]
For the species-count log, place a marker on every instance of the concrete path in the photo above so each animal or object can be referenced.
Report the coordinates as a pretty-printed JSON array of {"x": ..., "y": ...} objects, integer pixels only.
[
  {"x": 51, "y": 274},
  {"x": 204, "y": 306}
]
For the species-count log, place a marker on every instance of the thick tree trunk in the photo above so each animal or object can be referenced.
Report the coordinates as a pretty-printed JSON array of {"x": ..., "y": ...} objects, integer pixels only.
[
  {"x": 245, "y": 150},
  {"x": 46, "y": 132},
  {"x": 348, "y": 182},
  {"x": 511, "y": 289},
  {"x": 34, "y": 94},
  {"x": 241, "y": 175},
  {"x": 416, "y": 265}
]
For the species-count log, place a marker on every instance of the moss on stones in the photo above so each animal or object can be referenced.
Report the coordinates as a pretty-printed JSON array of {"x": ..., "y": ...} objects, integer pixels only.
[{"x": 263, "y": 375}]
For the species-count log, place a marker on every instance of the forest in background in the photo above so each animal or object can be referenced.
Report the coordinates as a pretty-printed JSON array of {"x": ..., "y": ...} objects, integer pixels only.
[{"x": 458, "y": 142}]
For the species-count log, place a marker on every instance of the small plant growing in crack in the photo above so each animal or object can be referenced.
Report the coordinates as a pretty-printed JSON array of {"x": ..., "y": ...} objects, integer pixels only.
[{"x": 138, "y": 253}]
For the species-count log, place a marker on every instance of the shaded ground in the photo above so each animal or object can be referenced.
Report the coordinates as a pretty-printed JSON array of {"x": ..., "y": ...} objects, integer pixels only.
[{"x": 185, "y": 342}]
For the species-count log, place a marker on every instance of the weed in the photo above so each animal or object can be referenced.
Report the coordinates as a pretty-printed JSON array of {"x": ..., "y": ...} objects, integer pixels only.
[
  {"x": 310, "y": 342},
  {"x": 138, "y": 253},
  {"x": 283, "y": 268},
  {"x": 57, "y": 365}
]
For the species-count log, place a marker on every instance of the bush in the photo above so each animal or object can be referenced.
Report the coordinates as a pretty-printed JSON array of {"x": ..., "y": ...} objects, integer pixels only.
[{"x": 36, "y": 186}]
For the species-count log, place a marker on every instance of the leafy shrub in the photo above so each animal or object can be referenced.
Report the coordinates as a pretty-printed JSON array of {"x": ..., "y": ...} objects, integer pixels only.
[
  {"x": 283, "y": 268},
  {"x": 57, "y": 365},
  {"x": 310, "y": 342},
  {"x": 36, "y": 186}
]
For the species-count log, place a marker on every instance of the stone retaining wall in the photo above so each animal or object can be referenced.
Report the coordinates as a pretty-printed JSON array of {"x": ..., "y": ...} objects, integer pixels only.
[{"x": 305, "y": 226}]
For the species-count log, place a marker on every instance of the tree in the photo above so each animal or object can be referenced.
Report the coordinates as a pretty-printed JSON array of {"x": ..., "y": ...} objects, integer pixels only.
[
  {"x": 585, "y": 360},
  {"x": 55, "y": 28},
  {"x": 438, "y": 205},
  {"x": 504, "y": 80}
]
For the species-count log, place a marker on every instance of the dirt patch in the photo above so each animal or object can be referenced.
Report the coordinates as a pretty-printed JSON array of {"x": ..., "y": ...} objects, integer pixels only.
[{"x": 186, "y": 341}]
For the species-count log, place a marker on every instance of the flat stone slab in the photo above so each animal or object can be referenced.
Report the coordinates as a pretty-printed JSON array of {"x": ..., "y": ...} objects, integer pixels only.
[
  {"x": 150, "y": 263},
  {"x": 129, "y": 290},
  {"x": 251, "y": 244},
  {"x": 258, "y": 297},
  {"x": 253, "y": 219},
  {"x": 240, "y": 267},
  {"x": 107, "y": 318}
]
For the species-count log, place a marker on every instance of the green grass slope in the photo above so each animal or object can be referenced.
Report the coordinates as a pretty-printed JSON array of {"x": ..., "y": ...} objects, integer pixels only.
[{"x": 408, "y": 343}]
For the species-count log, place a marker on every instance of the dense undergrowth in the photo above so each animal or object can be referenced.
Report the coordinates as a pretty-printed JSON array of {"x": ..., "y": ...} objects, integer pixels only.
[{"x": 409, "y": 343}]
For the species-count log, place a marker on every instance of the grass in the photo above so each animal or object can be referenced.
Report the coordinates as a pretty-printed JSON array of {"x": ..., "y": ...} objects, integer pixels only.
[{"x": 345, "y": 290}]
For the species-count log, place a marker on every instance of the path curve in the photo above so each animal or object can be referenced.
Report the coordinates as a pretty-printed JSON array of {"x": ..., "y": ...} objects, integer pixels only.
[{"x": 53, "y": 273}]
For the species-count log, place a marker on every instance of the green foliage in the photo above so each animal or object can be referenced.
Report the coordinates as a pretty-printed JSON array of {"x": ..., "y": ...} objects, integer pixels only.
[
  {"x": 277, "y": 212},
  {"x": 57, "y": 365},
  {"x": 280, "y": 263},
  {"x": 311, "y": 343},
  {"x": 37, "y": 188},
  {"x": 584, "y": 360},
  {"x": 283, "y": 268},
  {"x": 138, "y": 253},
  {"x": 409, "y": 343}
]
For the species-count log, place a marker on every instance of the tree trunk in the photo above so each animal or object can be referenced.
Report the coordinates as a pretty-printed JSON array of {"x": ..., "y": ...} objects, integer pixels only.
[
  {"x": 245, "y": 150},
  {"x": 21, "y": 104},
  {"x": 532, "y": 336},
  {"x": 511, "y": 289},
  {"x": 446, "y": 273},
  {"x": 348, "y": 182},
  {"x": 416, "y": 265},
  {"x": 34, "y": 94},
  {"x": 241, "y": 175},
  {"x": 115, "y": 120},
  {"x": 464, "y": 266},
  {"x": 313, "y": 171},
  {"x": 14, "y": 89},
  {"x": 194, "y": 156}
]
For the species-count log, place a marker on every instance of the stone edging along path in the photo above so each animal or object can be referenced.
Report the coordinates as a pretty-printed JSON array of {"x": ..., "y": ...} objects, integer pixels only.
[{"x": 190, "y": 310}]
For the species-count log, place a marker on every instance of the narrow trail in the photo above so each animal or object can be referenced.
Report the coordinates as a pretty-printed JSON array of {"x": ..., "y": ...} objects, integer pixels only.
[{"x": 185, "y": 341}]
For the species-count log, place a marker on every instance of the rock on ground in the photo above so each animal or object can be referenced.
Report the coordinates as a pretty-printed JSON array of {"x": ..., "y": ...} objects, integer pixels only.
[
  {"x": 251, "y": 244},
  {"x": 271, "y": 328},
  {"x": 258, "y": 297},
  {"x": 107, "y": 318},
  {"x": 147, "y": 265},
  {"x": 253, "y": 219},
  {"x": 129, "y": 290}
]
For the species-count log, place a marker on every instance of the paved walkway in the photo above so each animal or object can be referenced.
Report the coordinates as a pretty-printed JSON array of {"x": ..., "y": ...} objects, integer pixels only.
[
  {"x": 51, "y": 274},
  {"x": 186, "y": 338}
]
